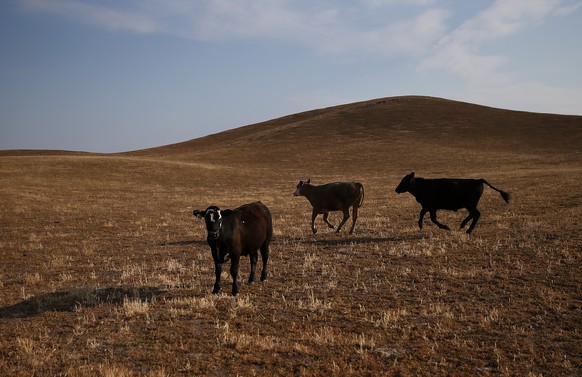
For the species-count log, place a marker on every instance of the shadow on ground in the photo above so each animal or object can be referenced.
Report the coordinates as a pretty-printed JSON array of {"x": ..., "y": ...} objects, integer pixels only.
[
  {"x": 82, "y": 297},
  {"x": 184, "y": 243},
  {"x": 334, "y": 240}
]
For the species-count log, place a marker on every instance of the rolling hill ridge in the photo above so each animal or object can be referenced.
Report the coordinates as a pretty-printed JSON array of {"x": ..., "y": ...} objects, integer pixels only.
[{"x": 429, "y": 118}]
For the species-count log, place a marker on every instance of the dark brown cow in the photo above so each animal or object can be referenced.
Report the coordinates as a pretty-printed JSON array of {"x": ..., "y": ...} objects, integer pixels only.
[
  {"x": 235, "y": 233},
  {"x": 447, "y": 193},
  {"x": 337, "y": 196}
]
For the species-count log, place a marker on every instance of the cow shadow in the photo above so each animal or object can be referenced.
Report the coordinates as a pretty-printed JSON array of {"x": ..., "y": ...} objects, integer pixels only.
[
  {"x": 184, "y": 243},
  {"x": 80, "y": 298},
  {"x": 353, "y": 240},
  {"x": 366, "y": 239}
]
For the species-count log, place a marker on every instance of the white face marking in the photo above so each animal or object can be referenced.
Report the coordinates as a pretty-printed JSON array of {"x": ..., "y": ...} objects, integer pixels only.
[
  {"x": 297, "y": 193},
  {"x": 212, "y": 213}
]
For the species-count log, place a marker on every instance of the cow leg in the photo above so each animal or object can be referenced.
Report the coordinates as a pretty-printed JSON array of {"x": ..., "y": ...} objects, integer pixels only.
[
  {"x": 217, "y": 272},
  {"x": 476, "y": 214},
  {"x": 421, "y": 217},
  {"x": 313, "y": 216},
  {"x": 354, "y": 217},
  {"x": 346, "y": 217},
  {"x": 467, "y": 219},
  {"x": 265, "y": 258},
  {"x": 325, "y": 214},
  {"x": 434, "y": 220},
  {"x": 234, "y": 274},
  {"x": 254, "y": 257}
]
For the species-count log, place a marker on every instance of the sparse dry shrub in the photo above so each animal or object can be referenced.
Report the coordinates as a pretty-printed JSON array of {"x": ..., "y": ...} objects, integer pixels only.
[
  {"x": 87, "y": 248},
  {"x": 59, "y": 261},
  {"x": 32, "y": 279},
  {"x": 173, "y": 265},
  {"x": 389, "y": 318},
  {"x": 325, "y": 335},
  {"x": 437, "y": 309},
  {"x": 133, "y": 307},
  {"x": 134, "y": 275},
  {"x": 26, "y": 345},
  {"x": 166, "y": 279},
  {"x": 313, "y": 303},
  {"x": 93, "y": 343},
  {"x": 364, "y": 343},
  {"x": 489, "y": 318},
  {"x": 243, "y": 302},
  {"x": 243, "y": 341},
  {"x": 65, "y": 277},
  {"x": 34, "y": 351},
  {"x": 192, "y": 305},
  {"x": 114, "y": 370},
  {"x": 309, "y": 262}
]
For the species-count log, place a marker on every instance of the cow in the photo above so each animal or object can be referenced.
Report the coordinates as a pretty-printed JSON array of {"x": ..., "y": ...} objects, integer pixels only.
[
  {"x": 448, "y": 194},
  {"x": 337, "y": 196},
  {"x": 233, "y": 233}
]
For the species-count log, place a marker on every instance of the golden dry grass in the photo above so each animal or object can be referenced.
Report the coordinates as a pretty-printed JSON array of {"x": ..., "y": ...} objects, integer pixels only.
[{"x": 106, "y": 272}]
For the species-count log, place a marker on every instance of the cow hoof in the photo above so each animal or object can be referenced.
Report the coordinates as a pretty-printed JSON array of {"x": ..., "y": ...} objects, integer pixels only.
[{"x": 236, "y": 288}]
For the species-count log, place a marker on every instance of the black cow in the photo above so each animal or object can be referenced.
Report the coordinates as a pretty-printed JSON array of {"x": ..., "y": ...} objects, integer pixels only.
[
  {"x": 449, "y": 194},
  {"x": 338, "y": 196},
  {"x": 236, "y": 232}
]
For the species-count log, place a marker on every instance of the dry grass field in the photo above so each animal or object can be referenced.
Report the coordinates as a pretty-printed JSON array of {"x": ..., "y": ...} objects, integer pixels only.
[{"x": 105, "y": 272}]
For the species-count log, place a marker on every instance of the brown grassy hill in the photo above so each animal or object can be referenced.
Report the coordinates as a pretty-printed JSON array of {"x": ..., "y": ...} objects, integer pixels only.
[
  {"x": 379, "y": 129},
  {"x": 105, "y": 272}
]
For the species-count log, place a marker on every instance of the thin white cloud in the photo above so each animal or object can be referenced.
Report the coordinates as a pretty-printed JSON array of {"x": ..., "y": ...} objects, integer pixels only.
[
  {"x": 391, "y": 3},
  {"x": 377, "y": 29},
  {"x": 327, "y": 27},
  {"x": 319, "y": 25},
  {"x": 459, "y": 51},
  {"x": 111, "y": 19}
]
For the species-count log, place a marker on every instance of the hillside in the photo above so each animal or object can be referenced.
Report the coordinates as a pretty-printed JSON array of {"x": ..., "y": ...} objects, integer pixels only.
[
  {"x": 381, "y": 128},
  {"x": 105, "y": 272}
]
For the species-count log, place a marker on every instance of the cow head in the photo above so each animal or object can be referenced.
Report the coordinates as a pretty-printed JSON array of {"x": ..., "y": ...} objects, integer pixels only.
[
  {"x": 299, "y": 186},
  {"x": 213, "y": 219},
  {"x": 406, "y": 183}
]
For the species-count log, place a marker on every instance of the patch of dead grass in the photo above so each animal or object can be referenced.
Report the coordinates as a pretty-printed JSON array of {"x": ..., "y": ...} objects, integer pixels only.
[{"x": 112, "y": 275}]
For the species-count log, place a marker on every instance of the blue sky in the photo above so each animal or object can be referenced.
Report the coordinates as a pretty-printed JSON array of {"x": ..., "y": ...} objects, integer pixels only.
[{"x": 119, "y": 75}]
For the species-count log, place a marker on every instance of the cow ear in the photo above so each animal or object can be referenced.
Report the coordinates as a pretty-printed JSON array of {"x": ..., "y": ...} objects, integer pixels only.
[
  {"x": 309, "y": 180},
  {"x": 198, "y": 214},
  {"x": 411, "y": 175}
]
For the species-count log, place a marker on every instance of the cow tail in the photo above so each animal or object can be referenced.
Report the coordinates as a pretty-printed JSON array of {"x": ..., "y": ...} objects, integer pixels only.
[
  {"x": 360, "y": 199},
  {"x": 504, "y": 195}
]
